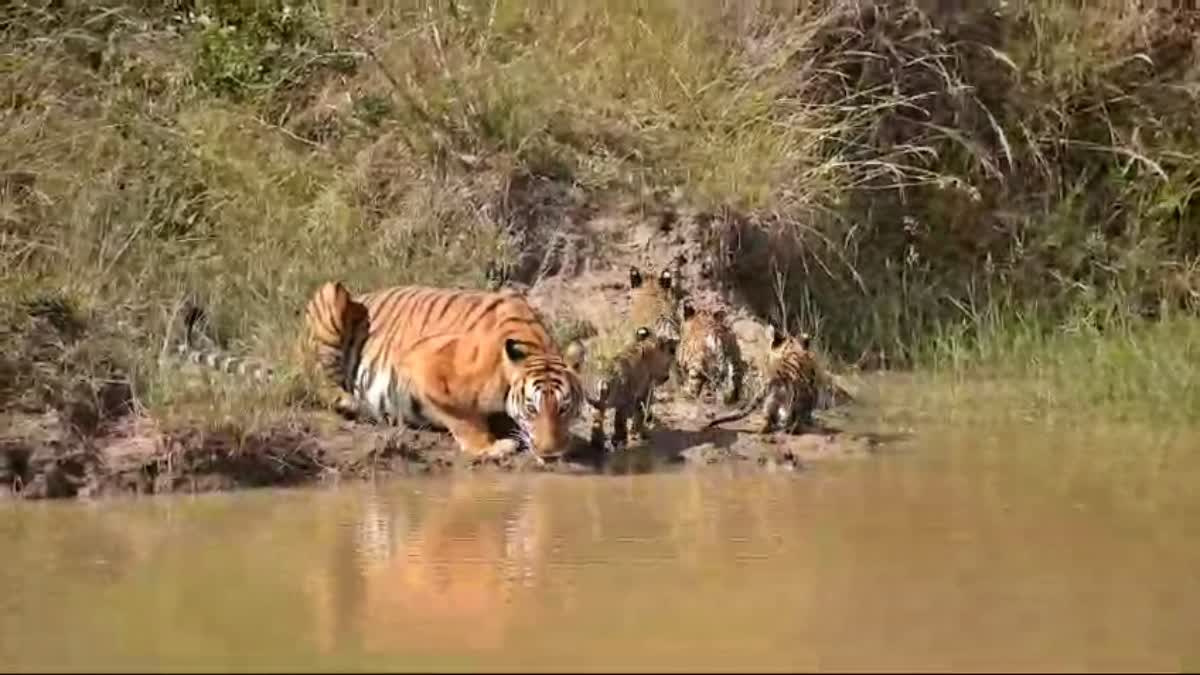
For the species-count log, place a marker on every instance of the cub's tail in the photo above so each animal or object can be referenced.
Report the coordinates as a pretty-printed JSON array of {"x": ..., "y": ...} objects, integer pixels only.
[{"x": 739, "y": 414}]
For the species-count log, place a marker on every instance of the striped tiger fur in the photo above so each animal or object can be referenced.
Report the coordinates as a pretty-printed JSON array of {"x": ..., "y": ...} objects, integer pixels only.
[
  {"x": 447, "y": 359},
  {"x": 655, "y": 306},
  {"x": 790, "y": 386},
  {"x": 626, "y": 384},
  {"x": 709, "y": 353}
]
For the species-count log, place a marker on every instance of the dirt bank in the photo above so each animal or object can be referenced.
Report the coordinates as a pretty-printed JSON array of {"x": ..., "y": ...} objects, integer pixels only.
[
  {"x": 40, "y": 459},
  {"x": 47, "y": 455}
]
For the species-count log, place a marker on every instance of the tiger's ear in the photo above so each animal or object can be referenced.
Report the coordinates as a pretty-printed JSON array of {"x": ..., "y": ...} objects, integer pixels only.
[
  {"x": 574, "y": 355},
  {"x": 720, "y": 315},
  {"x": 514, "y": 350},
  {"x": 688, "y": 310},
  {"x": 635, "y": 278}
]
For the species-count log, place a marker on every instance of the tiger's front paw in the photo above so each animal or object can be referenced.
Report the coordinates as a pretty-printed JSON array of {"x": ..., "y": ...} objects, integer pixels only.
[{"x": 499, "y": 451}]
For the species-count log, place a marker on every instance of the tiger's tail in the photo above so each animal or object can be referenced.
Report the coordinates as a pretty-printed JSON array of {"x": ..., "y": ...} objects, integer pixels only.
[
  {"x": 214, "y": 357},
  {"x": 739, "y": 414}
]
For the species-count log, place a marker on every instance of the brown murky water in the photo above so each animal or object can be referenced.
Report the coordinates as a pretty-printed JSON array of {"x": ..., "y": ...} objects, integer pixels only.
[{"x": 1022, "y": 548}]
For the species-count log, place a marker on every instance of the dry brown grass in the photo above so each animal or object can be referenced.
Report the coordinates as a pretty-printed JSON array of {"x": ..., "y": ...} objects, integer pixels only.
[{"x": 907, "y": 166}]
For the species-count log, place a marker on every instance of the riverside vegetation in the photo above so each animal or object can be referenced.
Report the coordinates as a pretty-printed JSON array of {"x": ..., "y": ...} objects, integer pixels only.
[{"x": 978, "y": 192}]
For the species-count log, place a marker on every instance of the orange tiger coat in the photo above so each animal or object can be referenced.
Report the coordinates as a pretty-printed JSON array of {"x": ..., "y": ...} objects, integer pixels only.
[{"x": 447, "y": 358}]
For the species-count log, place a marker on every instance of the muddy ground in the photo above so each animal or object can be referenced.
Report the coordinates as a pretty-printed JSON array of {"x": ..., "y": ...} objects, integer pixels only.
[
  {"x": 39, "y": 460},
  {"x": 41, "y": 457}
]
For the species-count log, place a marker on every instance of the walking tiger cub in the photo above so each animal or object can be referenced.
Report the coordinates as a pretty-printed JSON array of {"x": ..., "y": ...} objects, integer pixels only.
[
  {"x": 790, "y": 386},
  {"x": 626, "y": 383}
]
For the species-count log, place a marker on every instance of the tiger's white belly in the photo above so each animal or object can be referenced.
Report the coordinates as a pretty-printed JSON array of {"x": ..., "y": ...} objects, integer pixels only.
[{"x": 389, "y": 397}]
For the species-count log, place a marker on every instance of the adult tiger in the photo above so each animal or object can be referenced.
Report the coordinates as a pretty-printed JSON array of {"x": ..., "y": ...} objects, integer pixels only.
[{"x": 446, "y": 359}]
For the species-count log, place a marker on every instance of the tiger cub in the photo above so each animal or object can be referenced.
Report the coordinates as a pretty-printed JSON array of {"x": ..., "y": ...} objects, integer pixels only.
[
  {"x": 790, "y": 386},
  {"x": 654, "y": 305},
  {"x": 709, "y": 353},
  {"x": 625, "y": 384}
]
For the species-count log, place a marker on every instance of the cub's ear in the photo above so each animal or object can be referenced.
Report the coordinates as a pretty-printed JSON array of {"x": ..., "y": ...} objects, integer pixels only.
[
  {"x": 688, "y": 310},
  {"x": 635, "y": 277},
  {"x": 514, "y": 350},
  {"x": 720, "y": 315},
  {"x": 575, "y": 354}
]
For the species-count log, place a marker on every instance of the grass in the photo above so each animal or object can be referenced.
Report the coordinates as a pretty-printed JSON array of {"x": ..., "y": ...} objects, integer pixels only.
[
  {"x": 1139, "y": 371},
  {"x": 898, "y": 167}
]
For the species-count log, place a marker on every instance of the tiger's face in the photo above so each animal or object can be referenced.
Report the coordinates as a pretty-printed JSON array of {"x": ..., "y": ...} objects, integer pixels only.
[{"x": 543, "y": 400}]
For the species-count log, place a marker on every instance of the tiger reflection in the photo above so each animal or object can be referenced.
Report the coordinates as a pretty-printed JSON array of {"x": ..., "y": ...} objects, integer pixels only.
[{"x": 447, "y": 582}]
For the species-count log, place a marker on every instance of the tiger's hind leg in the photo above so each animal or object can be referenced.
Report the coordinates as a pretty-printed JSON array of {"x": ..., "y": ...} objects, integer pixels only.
[{"x": 335, "y": 327}]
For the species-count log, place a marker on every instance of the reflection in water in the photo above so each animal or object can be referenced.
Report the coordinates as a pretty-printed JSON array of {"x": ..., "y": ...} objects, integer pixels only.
[
  {"x": 445, "y": 583},
  {"x": 975, "y": 549}
]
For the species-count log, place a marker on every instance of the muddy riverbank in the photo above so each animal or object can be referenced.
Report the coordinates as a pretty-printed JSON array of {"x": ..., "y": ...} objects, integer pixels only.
[
  {"x": 40, "y": 458},
  {"x": 46, "y": 452}
]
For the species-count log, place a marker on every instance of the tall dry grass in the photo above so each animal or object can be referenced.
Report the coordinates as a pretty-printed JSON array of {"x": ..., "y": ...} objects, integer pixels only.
[{"x": 903, "y": 167}]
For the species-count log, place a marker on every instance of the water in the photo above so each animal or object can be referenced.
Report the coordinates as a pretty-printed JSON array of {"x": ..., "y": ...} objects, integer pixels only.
[{"x": 1018, "y": 548}]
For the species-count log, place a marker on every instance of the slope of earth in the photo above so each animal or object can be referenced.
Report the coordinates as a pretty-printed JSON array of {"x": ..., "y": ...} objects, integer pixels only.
[{"x": 42, "y": 457}]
